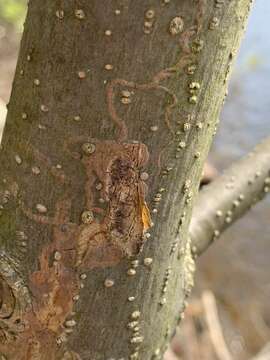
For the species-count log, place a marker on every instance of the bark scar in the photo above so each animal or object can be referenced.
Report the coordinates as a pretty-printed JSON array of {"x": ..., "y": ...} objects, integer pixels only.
[
  {"x": 155, "y": 84},
  {"x": 36, "y": 321},
  {"x": 104, "y": 236},
  {"x": 117, "y": 229}
]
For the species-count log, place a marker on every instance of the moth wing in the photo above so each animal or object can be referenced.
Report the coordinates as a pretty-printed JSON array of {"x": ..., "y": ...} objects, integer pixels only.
[{"x": 146, "y": 217}]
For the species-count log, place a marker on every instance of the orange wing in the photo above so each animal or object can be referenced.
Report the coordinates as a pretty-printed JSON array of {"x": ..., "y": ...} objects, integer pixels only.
[{"x": 146, "y": 217}]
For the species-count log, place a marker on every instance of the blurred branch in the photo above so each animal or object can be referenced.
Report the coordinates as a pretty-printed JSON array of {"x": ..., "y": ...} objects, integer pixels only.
[
  {"x": 230, "y": 196},
  {"x": 215, "y": 330},
  {"x": 170, "y": 355},
  {"x": 264, "y": 354},
  {"x": 189, "y": 344},
  {"x": 3, "y": 113}
]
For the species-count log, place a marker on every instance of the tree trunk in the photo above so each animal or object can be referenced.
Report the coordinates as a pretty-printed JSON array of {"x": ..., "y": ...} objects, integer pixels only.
[{"x": 113, "y": 109}]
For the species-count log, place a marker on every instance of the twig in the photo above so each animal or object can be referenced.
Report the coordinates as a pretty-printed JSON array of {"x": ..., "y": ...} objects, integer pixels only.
[
  {"x": 189, "y": 342},
  {"x": 3, "y": 113},
  {"x": 214, "y": 326},
  {"x": 264, "y": 354},
  {"x": 230, "y": 196}
]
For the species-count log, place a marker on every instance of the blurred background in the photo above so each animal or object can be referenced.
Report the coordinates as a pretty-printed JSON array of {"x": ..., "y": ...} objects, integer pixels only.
[{"x": 229, "y": 314}]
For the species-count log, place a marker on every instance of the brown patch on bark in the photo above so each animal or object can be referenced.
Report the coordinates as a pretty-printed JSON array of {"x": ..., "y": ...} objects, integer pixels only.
[
  {"x": 53, "y": 288},
  {"x": 28, "y": 330},
  {"x": 114, "y": 233}
]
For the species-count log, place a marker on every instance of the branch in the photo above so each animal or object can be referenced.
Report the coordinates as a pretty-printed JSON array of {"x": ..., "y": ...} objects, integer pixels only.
[
  {"x": 3, "y": 113},
  {"x": 214, "y": 326},
  {"x": 230, "y": 196},
  {"x": 264, "y": 354}
]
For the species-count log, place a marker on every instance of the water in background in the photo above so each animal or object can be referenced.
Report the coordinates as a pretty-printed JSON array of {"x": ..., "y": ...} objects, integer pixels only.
[
  {"x": 245, "y": 120},
  {"x": 245, "y": 117},
  {"x": 237, "y": 268}
]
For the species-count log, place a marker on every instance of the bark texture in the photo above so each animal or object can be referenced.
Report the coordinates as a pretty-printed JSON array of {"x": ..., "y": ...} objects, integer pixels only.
[
  {"x": 230, "y": 196},
  {"x": 113, "y": 109}
]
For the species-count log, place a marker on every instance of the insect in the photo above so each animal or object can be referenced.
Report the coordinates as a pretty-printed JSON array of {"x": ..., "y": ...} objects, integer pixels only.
[
  {"x": 118, "y": 226},
  {"x": 106, "y": 233}
]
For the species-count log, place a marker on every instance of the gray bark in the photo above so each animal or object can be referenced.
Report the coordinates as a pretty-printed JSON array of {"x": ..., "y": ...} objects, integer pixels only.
[
  {"x": 230, "y": 196},
  {"x": 106, "y": 74}
]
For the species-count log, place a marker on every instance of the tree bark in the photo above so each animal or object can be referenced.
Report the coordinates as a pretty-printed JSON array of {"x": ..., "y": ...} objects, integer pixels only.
[
  {"x": 109, "y": 98},
  {"x": 230, "y": 196}
]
